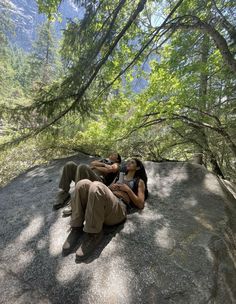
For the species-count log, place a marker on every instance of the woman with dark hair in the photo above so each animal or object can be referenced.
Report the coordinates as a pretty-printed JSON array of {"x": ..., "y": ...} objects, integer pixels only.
[{"x": 97, "y": 204}]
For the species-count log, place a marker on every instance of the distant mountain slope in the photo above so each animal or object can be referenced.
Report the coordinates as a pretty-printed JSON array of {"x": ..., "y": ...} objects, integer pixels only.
[
  {"x": 26, "y": 18},
  {"x": 25, "y": 15}
]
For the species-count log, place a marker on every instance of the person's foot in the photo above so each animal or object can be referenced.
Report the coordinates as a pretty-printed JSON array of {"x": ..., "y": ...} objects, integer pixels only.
[
  {"x": 67, "y": 211},
  {"x": 88, "y": 245},
  {"x": 72, "y": 240},
  {"x": 62, "y": 199}
]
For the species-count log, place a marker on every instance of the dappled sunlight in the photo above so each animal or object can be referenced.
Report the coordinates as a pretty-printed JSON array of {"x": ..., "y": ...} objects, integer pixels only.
[
  {"x": 20, "y": 260},
  {"x": 163, "y": 238},
  {"x": 148, "y": 215},
  {"x": 37, "y": 172},
  {"x": 165, "y": 244},
  {"x": 211, "y": 184},
  {"x": 129, "y": 228},
  {"x": 146, "y": 220},
  {"x": 114, "y": 280},
  {"x": 201, "y": 220},
  {"x": 139, "y": 93},
  {"x": 162, "y": 185},
  {"x": 57, "y": 234},
  {"x": 62, "y": 273},
  {"x": 41, "y": 244},
  {"x": 24, "y": 258},
  {"x": 209, "y": 254},
  {"x": 24, "y": 255},
  {"x": 188, "y": 203},
  {"x": 28, "y": 233},
  {"x": 106, "y": 275},
  {"x": 31, "y": 231}
]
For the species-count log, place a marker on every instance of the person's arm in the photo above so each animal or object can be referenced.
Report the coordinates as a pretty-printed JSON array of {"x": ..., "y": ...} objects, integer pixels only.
[
  {"x": 138, "y": 199},
  {"x": 108, "y": 168},
  {"x": 97, "y": 163}
]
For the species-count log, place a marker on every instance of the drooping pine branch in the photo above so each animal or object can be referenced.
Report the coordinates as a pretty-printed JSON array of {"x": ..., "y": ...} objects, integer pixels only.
[{"x": 77, "y": 96}]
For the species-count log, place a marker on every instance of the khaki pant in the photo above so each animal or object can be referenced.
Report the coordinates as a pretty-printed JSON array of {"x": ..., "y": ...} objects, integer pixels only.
[
  {"x": 73, "y": 172},
  {"x": 95, "y": 203}
]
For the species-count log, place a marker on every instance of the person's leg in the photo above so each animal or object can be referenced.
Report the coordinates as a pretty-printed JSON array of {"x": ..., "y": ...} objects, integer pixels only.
[
  {"x": 73, "y": 172},
  {"x": 78, "y": 204},
  {"x": 103, "y": 207},
  {"x": 83, "y": 172},
  {"x": 68, "y": 175}
]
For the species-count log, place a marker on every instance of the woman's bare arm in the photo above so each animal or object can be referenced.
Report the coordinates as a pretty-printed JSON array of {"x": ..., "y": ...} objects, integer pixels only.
[{"x": 138, "y": 199}]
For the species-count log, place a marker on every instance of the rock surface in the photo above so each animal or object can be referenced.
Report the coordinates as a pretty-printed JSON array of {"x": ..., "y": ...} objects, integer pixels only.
[{"x": 179, "y": 249}]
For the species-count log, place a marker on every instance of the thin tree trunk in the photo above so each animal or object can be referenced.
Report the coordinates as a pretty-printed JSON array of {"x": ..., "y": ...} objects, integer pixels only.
[{"x": 203, "y": 90}]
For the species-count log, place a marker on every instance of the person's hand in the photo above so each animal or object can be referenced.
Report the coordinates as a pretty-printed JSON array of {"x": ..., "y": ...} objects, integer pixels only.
[
  {"x": 114, "y": 187},
  {"x": 122, "y": 187},
  {"x": 107, "y": 166}
]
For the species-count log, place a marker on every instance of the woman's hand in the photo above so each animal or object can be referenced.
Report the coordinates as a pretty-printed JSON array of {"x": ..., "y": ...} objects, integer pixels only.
[
  {"x": 122, "y": 187},
  {"x": 113, "y": 187}
]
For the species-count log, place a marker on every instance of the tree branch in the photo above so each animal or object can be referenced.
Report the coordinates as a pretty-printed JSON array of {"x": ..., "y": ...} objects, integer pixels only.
[
  {"x": 204, "y": 27},
  {"x": 83, "y": 89}
]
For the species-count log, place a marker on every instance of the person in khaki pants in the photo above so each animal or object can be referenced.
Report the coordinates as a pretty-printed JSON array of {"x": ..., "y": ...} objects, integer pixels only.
[
  {"x": 104, "y": 170},
  {"x": 97, "y": 204}
]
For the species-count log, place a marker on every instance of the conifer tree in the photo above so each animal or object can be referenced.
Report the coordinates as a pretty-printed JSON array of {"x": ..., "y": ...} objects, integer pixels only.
[{"x": 43, "y": 59}]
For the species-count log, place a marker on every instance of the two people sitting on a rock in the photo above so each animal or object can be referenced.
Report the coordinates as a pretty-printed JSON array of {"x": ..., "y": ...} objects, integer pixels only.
[
  {"x": 104, "y": 170},
  {"x": 95, "y": 204}
]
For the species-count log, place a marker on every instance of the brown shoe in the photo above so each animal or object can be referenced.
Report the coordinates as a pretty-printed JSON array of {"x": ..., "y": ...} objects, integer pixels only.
[
  {"x": 89, "y": 244},
  {"x": 67, "y": 211},
  {"x": 62, "y": 199},
  {"x": 72, "y": 240}
]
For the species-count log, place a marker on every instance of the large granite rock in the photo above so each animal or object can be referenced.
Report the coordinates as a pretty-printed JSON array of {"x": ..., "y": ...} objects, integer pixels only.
[{"x": 179, "y": 249}]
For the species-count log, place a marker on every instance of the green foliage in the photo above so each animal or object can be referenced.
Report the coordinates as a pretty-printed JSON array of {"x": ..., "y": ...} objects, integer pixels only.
[
  {"x": 49, "y": 7},
  {"x": 18, "y": 159},
  {"x": 186, "y": 107},
  {"x": 44, "y": 58},
  {"x": 12, "y": 78}
]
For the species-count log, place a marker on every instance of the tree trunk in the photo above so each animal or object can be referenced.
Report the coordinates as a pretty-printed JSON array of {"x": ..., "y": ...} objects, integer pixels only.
[
  {"x": 205, "y": 148},
  {"x": 219, "y": 40}
]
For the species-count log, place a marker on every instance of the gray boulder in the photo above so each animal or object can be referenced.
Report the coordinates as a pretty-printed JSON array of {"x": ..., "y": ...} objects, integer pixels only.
[{"x": 180, "y": 249}]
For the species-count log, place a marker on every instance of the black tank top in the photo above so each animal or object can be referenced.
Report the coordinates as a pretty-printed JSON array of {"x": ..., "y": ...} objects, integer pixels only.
[{"x": 133, "y": 184}]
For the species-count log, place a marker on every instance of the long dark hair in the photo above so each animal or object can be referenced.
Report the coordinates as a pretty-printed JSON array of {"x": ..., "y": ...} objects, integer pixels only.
[{"x": 141, "y": 174}]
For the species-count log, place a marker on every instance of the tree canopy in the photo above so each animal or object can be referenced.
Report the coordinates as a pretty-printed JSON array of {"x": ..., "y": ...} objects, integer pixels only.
[{"x": 154, "y": 79}]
